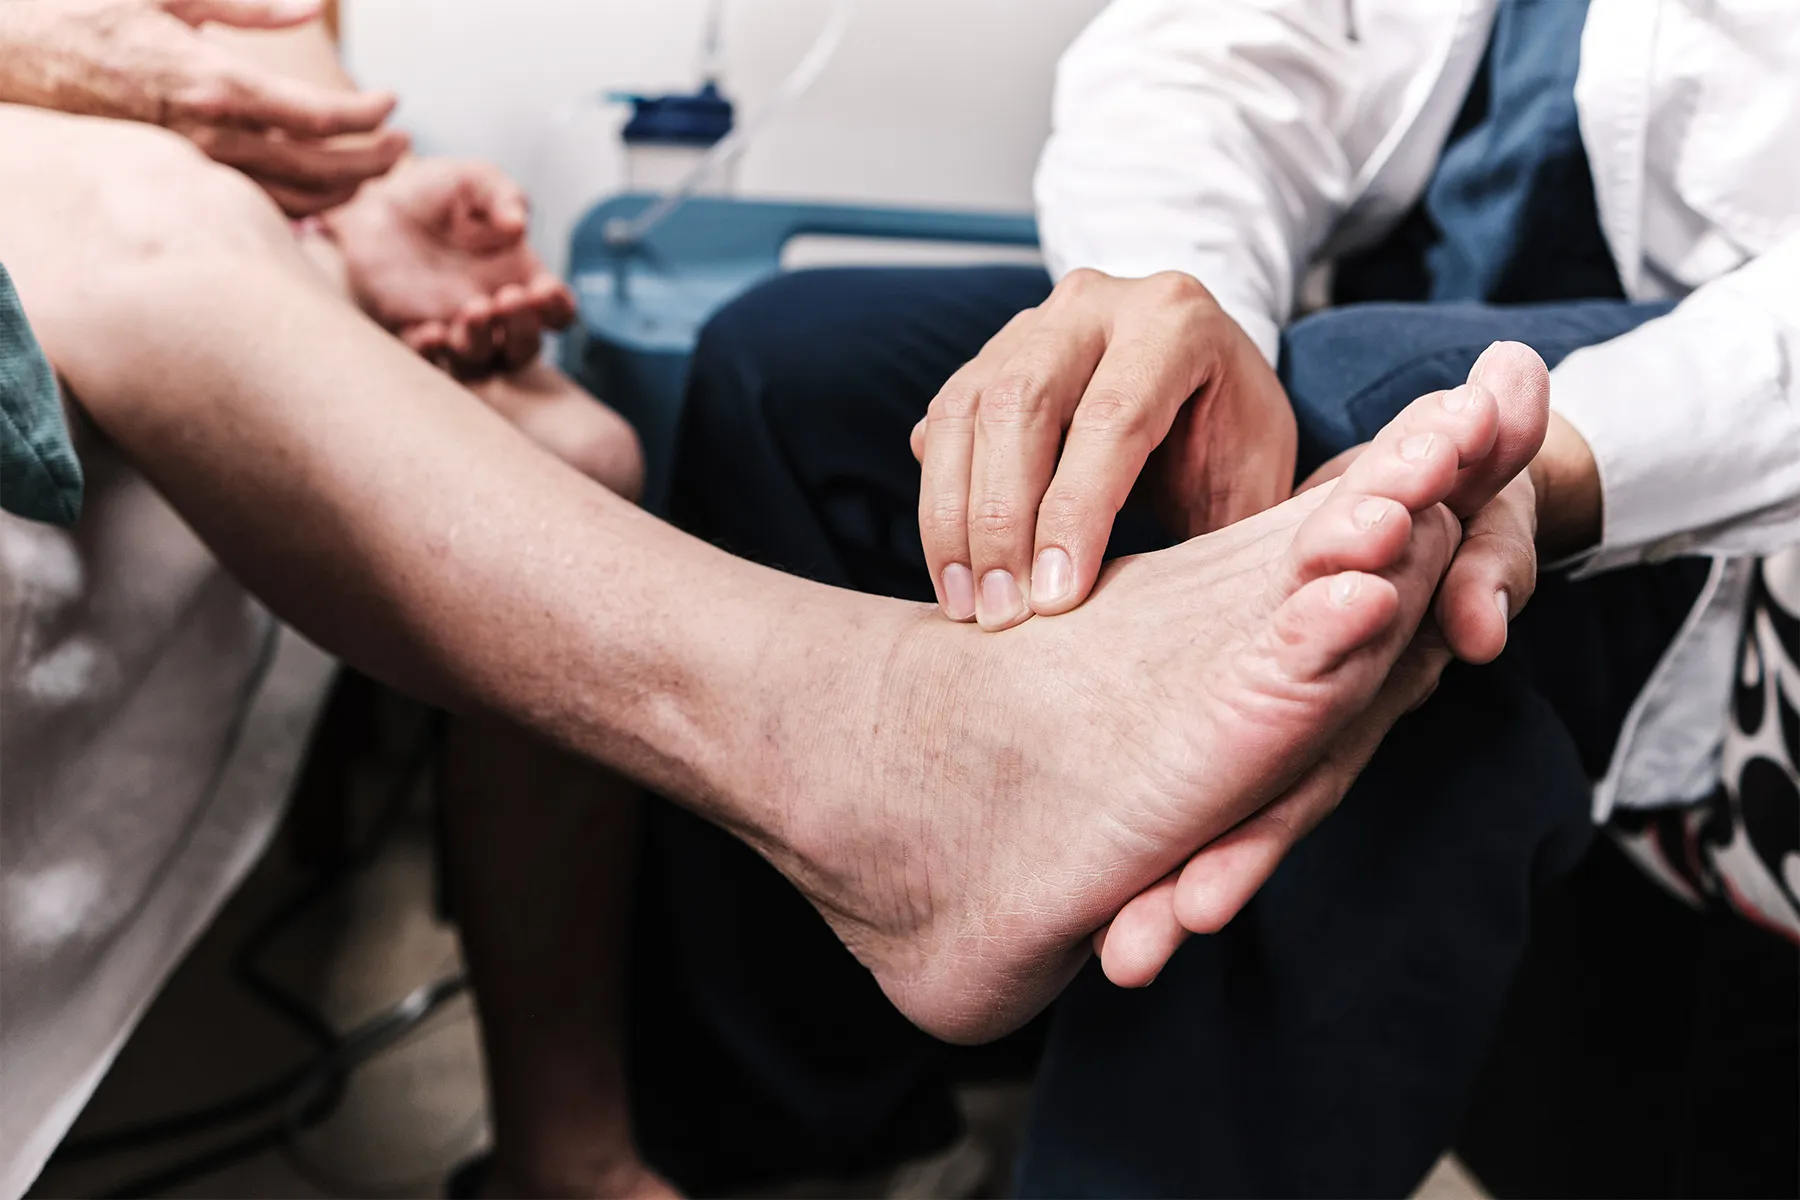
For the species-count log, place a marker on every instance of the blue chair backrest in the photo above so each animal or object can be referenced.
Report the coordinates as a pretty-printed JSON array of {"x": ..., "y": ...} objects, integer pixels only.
[{"x": 642, "y": 305}]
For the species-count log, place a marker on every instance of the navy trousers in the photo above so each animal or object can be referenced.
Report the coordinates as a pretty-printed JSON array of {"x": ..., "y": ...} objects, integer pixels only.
[{"x": 1328, "y": 1041}]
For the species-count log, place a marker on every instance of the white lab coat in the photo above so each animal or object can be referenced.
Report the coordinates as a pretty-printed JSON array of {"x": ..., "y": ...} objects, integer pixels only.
[{"x": 1242, "y": 140}]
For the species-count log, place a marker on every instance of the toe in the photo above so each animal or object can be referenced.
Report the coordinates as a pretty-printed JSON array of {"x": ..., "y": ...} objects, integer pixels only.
[
  {"x": 1351, "y": 531},
  {"x": 1322, "y": 625},
  {"x": 1516, "y": 378},
  {"x": 1416, "y": 458}
]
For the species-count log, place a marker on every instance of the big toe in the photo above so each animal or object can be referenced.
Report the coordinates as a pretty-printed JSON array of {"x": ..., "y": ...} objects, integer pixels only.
[{"x": 1514, "y": 375}]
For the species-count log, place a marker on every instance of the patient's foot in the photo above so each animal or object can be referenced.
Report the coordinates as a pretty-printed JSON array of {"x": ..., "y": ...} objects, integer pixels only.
[{"x": 970, "y": 809}]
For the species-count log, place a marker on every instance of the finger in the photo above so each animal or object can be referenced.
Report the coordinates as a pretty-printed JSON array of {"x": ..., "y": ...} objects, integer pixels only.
[
  {"x": 427, "y": 338},
  {"x": 305, "y": 202},
  {"x": 243, "y": 95},
  {"x": 944, "y": 471},
  {"x": 244, "y": 14},
  {"x": 520, "y": 335},
  {"x": 1516, "y": 377},
  {"x": 490, "y": 212},
  {"x": 472, "y": 336},
  {"x": 1124, "y": 413},
  {"x": 1139, "y": 942},
  {"x": 1492, "y": 577},
  {"x": 306, "y": 163},
  {"x": 1221, "y": 878},
  {"x": 554, "y": 302},
  {"x": 1018, "y": 431}
]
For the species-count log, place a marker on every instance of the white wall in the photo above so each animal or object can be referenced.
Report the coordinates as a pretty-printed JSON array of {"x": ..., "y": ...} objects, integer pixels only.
[{"x": 928, "y": 101}]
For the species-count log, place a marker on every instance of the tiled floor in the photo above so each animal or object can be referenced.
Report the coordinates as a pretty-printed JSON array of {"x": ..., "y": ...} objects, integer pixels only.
[{"x": 415, "y": 1110}]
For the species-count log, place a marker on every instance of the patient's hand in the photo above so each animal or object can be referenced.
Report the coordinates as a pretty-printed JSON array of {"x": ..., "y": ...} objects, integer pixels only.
[
  {"x": 436, "y": 253},
  {"x": 310, "y": 147}
]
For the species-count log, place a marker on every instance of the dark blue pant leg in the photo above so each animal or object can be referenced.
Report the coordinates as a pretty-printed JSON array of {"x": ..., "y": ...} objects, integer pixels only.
[
  {"x": 1326, "y": 1042},
  {"x": 762, "y": 1050}
]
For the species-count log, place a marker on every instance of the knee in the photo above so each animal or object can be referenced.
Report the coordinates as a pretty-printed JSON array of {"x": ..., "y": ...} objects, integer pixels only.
[
  {"x": 129, "y": 197},
  {"x": 604, "y": 447},
  {"x": 565, "y": 420},
  {"x": 1348, "y": 371},
  {"x": 767, "y": 359},
  {"x": 172, "y": 206}
]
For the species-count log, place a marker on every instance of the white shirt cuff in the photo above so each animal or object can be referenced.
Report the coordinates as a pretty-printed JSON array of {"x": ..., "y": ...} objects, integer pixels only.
[{"x": 1690, "y": 428}]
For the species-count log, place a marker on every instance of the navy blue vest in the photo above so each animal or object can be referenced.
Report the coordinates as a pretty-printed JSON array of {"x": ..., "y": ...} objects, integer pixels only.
[{"x": 1509, "y": 215}]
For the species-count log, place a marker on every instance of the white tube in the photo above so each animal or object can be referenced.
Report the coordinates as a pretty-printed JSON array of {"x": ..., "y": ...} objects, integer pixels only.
[{"x": 732, "y": 145}]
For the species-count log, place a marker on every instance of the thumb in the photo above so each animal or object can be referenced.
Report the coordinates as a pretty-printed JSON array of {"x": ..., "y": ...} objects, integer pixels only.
[
  {"x": 490, "y": 213},
  {"x": 244, "y": 14}
]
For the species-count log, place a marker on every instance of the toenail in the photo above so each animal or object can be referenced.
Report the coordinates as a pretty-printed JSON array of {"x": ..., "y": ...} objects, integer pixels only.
[
  {"x": 959, "y": 592},
  {"x": 1000, "y": 596},
  {"x": 1503, "y": 602},
  {"x": 1418, "y": 446},
  {"x": 1344, "y": 589},
  {"x": 1457, "y": 399},
  {"x": 1052, "y": 577},
  {"x": 1372, "y": 512}
]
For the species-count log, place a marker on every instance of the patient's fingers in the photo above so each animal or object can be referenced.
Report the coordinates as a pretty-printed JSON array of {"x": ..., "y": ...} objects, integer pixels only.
[
  {"x": 554, "y": 302},
  {"x": 521, "y": 334},
  {"x": 490, "y": 212},
  {"x": 426, "y": 336},
  {"x": 473, "y": 336}
]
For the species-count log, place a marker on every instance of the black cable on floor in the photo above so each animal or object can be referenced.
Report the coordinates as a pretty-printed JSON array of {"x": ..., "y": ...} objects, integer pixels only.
[{"x": 309, "y": 1093}]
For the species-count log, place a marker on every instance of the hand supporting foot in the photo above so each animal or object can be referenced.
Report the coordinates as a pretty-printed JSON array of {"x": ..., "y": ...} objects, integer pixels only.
[{"x": 1001, "y": 798}]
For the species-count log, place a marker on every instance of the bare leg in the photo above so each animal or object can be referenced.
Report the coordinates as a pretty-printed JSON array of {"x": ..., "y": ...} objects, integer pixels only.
[
  {"x": 965, "y": 809},
  {"x": 555, "y": 412},
  {"x": 540, "y": 854}
]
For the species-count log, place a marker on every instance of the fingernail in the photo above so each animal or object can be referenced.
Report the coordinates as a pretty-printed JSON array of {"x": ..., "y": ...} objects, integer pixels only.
[
  {"x": 1417, "y": 446},
  {"x": 1372, "y": 512},
  {"x": 1000, "y": 598},
  {"x": 1344, "y": 590},
  {"x": 1457, "y": 399},
  {"x": 959, "y": 592},
  {"x": 1503, "y": 602},
  {"x": 1477, "y": 370},
  {"x": 1052, "y": 577}
]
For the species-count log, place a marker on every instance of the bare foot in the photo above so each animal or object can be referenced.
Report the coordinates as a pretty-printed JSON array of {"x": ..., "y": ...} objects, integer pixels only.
[
  {"x": 1490, "y": 581},
  {"x": 1047, "y": 776}
]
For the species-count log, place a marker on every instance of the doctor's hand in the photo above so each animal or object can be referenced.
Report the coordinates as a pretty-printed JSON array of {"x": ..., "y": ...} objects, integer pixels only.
[
  {"x": 310, "y": 147},
  {"x": 1030, "y": 451}
]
